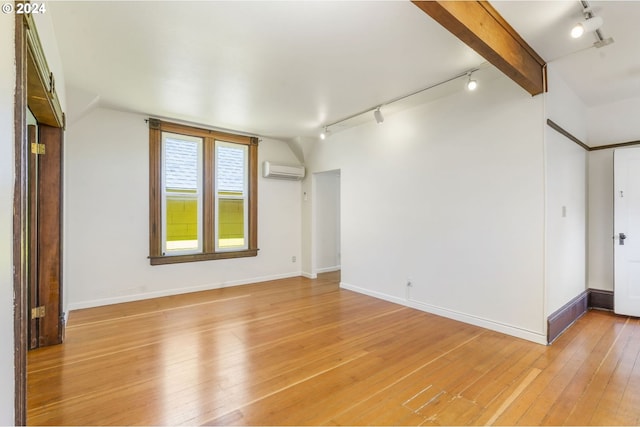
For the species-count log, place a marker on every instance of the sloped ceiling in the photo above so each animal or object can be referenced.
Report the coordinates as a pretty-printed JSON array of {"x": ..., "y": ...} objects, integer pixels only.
[
  {"x": 597, "y": 75},
  {"x": 285, "y": 69},
  {"x": 279, "y": 69}
]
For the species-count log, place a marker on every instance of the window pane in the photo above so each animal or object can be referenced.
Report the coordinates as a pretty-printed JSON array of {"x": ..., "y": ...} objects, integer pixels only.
[
  {"x": 182, "y": 194},
  {"x": 231, "y": 196}
]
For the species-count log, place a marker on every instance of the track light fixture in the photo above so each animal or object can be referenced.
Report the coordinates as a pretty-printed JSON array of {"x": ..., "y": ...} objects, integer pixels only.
[
  {"x": 591, "y": 23},
  {"x": 471, "y": 84},
  {"x": 378, "y": 115},
  {"x": 588, "y": 25}
]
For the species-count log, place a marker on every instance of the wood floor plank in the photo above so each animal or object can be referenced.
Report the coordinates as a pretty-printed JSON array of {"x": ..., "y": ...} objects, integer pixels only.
[
  {"x": 305, "y": 352},
  {"x": 551, "y": 363},
  {"x": 584, "y": 408},
  {"x": 580, "y": 382},
  {"x": 628, "y": 411},
  {"x": 623, "y": 356}
]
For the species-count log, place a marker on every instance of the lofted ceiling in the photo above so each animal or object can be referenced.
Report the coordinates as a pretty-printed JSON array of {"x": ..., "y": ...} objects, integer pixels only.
[
  {"x": 597, "y": 75},
  {"x": 284, "y": 69}
]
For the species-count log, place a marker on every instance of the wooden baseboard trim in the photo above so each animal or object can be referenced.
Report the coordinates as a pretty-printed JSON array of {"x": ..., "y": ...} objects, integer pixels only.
[
  {"x": 564, "y": 317},
  {"x": 601, "y": 299}
]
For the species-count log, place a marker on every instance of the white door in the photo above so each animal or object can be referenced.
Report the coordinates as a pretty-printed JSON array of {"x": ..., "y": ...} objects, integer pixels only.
[{"x": 626, "y": 185}]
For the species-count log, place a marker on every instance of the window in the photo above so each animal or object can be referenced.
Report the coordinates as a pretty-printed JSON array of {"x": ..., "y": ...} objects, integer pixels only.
[
  {"x": 181, "y": 194},
  {"x": 231, "y": 201},
  {"x": 202, "y": 194}
]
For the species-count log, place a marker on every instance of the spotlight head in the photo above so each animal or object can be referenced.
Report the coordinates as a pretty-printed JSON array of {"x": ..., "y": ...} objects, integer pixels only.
[
  {"x": 471, "y": 84},
  {"x": 591, "y": 24},
  {"x": 378, "y": 116},
  {"x": 324, "y": 133},
  {"x": 577, "y": 31}
]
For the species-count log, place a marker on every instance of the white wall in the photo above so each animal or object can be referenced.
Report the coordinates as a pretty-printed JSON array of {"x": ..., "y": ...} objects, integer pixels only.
[
  {"x": 7, "y": 89},
  {"x": 566, "y": 196},
  {"x": 327, "y": 220},
  {"x": 107, "y": 215},
  {"x": 600, "y": 248},
  {"x": 46, "y": 33},
  {"x": 614, "y": 123},
  {"x": 566, "y": 220},
  {"x": 608, "y": 124},
  {"x": 451, "y": 196}
]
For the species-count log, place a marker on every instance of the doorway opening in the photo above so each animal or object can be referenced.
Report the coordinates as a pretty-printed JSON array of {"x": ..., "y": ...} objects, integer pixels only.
[{"x": 326, "y": 208}]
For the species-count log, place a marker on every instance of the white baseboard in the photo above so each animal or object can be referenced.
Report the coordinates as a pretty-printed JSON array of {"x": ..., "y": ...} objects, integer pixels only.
[
  {"x": 168, "y": 292},
  {"x": 374, "y": 294},
  {"x": 328, "y": 269},
  {"x": 309, "y": 275},
  {"x": 514, "y": 331}
]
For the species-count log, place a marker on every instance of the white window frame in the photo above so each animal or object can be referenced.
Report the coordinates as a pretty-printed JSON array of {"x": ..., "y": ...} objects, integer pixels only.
[
  {"x": 199, "y": 193},
  {"x": 244, "y": 197}
]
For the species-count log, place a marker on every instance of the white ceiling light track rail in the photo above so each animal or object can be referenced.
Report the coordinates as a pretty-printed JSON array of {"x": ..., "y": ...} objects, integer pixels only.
[{"x": 377, "y": 114}]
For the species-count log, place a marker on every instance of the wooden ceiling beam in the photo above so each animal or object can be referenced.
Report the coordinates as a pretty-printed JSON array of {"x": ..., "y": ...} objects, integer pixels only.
[{"x": 482, "y": 28}]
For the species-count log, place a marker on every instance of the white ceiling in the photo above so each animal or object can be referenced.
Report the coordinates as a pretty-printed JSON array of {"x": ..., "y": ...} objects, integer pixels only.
[
  {"x": 597, "y": 75},
  {"x": 285, "y": 69}
]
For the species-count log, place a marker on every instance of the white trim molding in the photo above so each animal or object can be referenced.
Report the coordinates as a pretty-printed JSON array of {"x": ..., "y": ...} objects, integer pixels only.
[
  {"x": 169, "y": 292},
  {"x": 454, "y": 315},
  {"x": 328, "y": 269}
]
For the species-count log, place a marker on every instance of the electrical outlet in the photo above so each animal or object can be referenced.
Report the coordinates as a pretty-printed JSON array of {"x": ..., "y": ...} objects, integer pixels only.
[{"x": 293, "y": 259}]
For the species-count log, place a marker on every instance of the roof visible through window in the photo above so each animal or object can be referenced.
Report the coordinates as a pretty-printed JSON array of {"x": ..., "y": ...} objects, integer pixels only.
[
  {"x": 230, "y": 169},
  {"x": 181, "y": 164}
]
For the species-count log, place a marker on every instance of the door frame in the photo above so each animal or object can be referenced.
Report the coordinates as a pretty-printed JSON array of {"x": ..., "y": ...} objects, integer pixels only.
[
  {"x": 314, "y": 217},
  {"x": 32, "y": 72},
  {"x": 20, "y": 224}
]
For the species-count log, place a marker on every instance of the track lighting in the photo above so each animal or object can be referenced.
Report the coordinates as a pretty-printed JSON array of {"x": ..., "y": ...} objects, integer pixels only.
[
  {"x": 588, "y": 25},
  {"x": 378, "y": 115},
  {"x": 471, "y": 84}
]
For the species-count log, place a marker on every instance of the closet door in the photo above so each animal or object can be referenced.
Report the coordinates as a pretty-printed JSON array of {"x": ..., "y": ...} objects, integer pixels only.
[{"x": 45, "y": 229}]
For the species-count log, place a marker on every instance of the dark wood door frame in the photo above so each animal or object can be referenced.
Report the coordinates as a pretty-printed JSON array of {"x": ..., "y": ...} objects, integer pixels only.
[
  {"x": 35, "y": 89},
  {"x": 32, "y": 250},
  {"x": 20, "y": 223}
]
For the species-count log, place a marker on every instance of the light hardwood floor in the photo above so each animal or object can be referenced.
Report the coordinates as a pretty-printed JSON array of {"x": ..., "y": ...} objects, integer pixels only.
[{"x": 304, "y": 352}]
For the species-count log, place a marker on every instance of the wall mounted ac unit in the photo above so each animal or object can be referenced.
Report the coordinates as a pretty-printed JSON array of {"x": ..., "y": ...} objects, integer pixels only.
[{"x": 272, "y": 170}]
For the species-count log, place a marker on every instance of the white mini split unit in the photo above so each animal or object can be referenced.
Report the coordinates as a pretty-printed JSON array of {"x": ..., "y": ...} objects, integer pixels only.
[{"x": 273, "y": 170}]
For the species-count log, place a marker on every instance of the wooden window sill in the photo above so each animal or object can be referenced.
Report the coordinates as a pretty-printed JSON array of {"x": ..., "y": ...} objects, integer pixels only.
[{"x": 176, "y": 259}]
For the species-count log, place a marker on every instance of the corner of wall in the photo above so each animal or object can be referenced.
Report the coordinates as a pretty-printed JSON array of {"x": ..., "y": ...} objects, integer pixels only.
[{"x": 566, "y": 190}]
